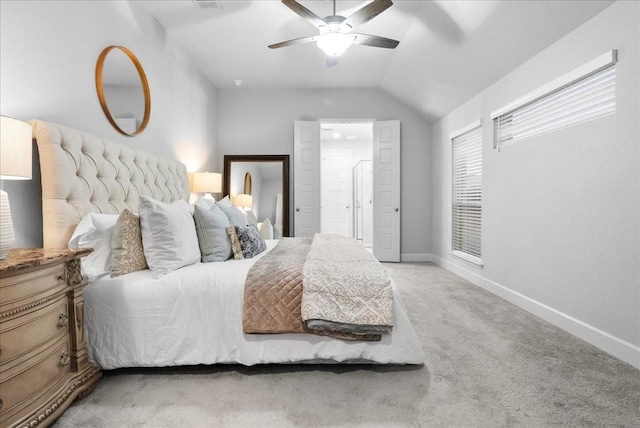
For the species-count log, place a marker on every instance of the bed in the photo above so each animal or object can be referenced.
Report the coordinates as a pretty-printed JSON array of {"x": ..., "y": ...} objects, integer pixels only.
[{"x": 192, "y": 315}]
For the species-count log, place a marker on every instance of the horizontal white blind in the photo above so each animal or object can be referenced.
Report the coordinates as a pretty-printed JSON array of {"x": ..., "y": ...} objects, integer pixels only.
[
  {"x": 467, "y": 192},
  {"x": 587, "y": 98}
]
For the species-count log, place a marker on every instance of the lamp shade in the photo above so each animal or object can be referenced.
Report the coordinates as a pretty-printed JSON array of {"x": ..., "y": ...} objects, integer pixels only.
[
  {"x": 15, "y": 164},
  {"x": 15, "y": 149},
  {"x": 207, "y": 182},
  {"x": 243, "y": 200}
]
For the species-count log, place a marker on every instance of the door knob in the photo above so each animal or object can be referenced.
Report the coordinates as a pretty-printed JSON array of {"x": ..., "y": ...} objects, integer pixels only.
[
  {"x": 297, "y": 210},
  {"x": 396, "y": 209}
]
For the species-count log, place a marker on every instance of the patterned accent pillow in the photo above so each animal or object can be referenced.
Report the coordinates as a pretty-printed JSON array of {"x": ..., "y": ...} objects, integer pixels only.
[
  {"x": 251, "y": 241},
  {"x": 127, "y": 253},
  {"x": 235, "y": 243}
]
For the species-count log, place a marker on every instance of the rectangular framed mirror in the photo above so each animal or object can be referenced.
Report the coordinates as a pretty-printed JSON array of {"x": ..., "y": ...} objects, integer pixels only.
[{"x": 269, "y": 188}]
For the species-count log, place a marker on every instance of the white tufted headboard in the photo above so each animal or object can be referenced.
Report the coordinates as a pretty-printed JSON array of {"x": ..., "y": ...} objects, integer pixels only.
[{"x": 81, "y": 173}]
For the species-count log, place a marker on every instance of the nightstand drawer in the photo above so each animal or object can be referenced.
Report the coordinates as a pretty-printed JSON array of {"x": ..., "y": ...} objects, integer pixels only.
[
  {"x": 31, "y": 285},
  {"x": 36, "y": 375},
  {"x": 22, "y": 334}
]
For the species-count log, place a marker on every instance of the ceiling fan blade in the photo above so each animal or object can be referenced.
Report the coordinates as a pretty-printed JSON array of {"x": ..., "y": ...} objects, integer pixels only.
[
  {"x": 368, "y": 12},
  {"x": 304, "y": 12},
  {"x": 294, "y": 42},
  {"x": 332, "y": 61},
  {"x": 375, "y": 41}
]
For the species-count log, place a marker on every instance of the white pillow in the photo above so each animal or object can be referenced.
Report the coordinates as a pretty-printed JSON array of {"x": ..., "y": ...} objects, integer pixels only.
[
  {"x": 266, "y": 229},
  {"x": 277, "y": 231},
  {"x": 168, "y": 235},
  {"x": 251, "y": 218},
  {"x": 94, "y": 231}
]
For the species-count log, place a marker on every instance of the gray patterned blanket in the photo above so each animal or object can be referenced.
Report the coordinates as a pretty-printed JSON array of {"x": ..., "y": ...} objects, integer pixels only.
[{"x": 345, "y": 289}]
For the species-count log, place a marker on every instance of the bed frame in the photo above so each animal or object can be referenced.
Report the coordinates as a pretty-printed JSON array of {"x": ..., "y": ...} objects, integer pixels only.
[{"x": 81, "y": 174}]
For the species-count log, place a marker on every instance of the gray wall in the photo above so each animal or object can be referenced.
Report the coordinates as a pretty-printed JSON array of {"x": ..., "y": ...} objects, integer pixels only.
[
  {"x": 561, "y": 212},
  {"x": 261, "y": 122},
  {"x": 49, "y": 52}
]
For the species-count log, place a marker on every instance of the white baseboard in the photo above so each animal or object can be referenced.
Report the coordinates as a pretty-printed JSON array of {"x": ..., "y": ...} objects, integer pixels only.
[
  {"x": 619, "y": 348},
  {"x": 416, "y": 257}
]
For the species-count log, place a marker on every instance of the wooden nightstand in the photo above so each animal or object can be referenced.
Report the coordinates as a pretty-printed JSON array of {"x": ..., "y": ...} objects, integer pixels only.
[{"x": 43, "y": 355}]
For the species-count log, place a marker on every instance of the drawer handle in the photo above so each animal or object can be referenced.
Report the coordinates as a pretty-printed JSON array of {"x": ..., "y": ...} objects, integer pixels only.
[
  {"x": 65, "y": 359},
  {"x": 63, "y": 320},
  {"x": 60, "y": 278}
]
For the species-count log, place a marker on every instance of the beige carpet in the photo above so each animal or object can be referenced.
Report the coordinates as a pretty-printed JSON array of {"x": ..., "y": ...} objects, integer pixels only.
[{"x": 490, "y": 364}]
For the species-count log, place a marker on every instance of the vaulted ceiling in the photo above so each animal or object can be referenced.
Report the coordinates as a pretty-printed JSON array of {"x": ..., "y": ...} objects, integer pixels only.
[{"x": 448, "y": 51}]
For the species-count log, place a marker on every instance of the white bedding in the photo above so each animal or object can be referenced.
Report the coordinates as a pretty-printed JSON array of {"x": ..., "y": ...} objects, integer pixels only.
[{"x": 194, "y": 316}]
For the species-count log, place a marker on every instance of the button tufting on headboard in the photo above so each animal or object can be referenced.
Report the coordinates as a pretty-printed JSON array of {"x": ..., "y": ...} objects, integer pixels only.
[{"x": 81, "y": 173}]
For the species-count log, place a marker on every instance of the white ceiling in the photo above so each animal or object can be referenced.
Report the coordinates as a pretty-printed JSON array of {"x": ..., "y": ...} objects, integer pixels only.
[{"x": 448, "y": 52}]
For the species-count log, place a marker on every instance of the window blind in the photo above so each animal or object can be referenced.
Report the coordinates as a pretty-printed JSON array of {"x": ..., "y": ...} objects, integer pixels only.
[
  {"x": 584, "y": 97},
  {"x": 467, "y": 193}
]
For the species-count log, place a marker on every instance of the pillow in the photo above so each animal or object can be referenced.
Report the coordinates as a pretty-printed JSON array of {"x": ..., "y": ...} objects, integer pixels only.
[
  {"x": 251, "y": 218},
  {"x": 266, "y": 229},
  {"x": 127, "y": 253},
  {"x": 235, "y": 216},
  {"x": 251, "y": 241},
  {"x": 235, "y": 243},
  {"x": 211, "y": 225},
  {"x": 94, "y": 231},
  {"x": 205, "y": 202},
  {"x": 277, "y": 231},
  {"x": 225, "y": 202},
  {"x": 168, "y": 235}
]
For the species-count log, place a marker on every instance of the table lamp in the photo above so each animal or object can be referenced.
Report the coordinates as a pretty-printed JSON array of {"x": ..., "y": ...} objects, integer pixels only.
[
  {"x": 243, "y": 201},
  {"x": 207, "y": 183},
  {"x": 15, "y": 164}
]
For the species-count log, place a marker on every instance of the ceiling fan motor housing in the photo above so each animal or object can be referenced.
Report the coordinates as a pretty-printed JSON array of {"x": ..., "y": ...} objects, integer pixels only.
[
  {"x": 334, "y": 37},
  {"x": 335, "y": 31}
]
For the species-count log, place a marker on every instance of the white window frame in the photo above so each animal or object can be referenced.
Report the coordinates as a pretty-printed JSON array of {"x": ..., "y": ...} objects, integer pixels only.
[
  {"x": 565, "y": 94},
  {"x": 476, "y": 125}
]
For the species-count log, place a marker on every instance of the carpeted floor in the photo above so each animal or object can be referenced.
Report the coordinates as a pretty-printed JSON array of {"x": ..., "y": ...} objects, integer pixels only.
[{"x": 490, "y": 364}]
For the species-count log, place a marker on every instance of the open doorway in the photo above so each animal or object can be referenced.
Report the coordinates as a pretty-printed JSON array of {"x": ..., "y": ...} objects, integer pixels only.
[
  {"x": 346, "y": 175},
  {"x": 386, "y": 184}
]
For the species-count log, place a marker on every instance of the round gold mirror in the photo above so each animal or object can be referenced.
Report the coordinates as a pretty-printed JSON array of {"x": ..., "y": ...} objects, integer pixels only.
[{"x": 123, "y": 90}]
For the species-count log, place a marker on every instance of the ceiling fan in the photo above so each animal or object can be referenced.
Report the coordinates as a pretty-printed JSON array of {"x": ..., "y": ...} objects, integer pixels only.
[{"x": 335, "y": 31}]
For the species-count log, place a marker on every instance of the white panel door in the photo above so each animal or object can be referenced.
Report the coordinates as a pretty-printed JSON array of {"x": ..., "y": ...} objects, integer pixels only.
[
  {"x": 386, "y": 190},
  {"x": 336, "y": 192},
  {"x": 306, "y": 180}
]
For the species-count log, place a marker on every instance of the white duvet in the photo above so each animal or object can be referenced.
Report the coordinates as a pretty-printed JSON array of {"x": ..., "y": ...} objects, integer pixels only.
[{"x": 194, "y": 316}]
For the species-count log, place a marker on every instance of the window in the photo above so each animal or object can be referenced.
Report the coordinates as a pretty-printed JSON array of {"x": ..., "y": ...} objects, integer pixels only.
[
  {"x": 585, "y": 93},
  {"x": 467, "y": 193}
]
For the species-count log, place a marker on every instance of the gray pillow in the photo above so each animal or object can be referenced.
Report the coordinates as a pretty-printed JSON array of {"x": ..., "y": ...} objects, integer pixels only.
[
  {"x": 235, "y": 216},
  {"x": 212, "y": 236}
]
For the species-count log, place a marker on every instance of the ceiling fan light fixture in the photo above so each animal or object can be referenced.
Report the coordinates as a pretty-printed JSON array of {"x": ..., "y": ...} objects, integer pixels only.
[{"x": 335, "y": 44}]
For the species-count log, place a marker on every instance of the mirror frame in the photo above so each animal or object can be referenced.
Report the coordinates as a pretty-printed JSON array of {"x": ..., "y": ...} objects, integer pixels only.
[
  {"x": 143, "y": 80},
  {"x": 229, "y": 159}
]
